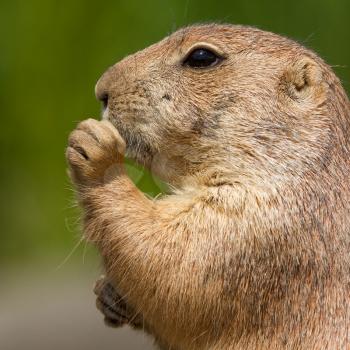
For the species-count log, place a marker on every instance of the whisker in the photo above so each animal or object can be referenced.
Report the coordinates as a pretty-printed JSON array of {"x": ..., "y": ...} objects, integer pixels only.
[{"x": 70, "y": 254}]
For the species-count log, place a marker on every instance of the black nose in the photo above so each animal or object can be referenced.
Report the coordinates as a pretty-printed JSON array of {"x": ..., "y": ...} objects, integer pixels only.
[
  {"x": 104, "y": 99},
  {"x": 102, "y": 88}
]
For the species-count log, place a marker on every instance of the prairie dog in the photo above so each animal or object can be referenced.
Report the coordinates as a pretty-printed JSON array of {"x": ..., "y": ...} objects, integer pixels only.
[{"x": 251, "y": 250}]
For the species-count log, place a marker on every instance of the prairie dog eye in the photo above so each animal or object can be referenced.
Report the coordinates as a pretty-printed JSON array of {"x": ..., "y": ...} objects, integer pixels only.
[{"x": 201, "y": 58}]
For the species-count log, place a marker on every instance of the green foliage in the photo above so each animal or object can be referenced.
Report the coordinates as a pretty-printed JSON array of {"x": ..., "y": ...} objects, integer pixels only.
[{"x": 52, "y": 53}]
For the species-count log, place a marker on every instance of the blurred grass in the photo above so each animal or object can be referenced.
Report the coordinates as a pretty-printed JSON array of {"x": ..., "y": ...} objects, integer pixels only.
[{"x": 53, "y": 52}]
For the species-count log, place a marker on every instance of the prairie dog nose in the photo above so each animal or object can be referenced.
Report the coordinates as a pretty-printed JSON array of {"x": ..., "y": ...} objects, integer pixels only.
[
  {"x": 102, "y": 88},
  {"x": 101, "y": 94},
  {"x": 104, "y": 99}
]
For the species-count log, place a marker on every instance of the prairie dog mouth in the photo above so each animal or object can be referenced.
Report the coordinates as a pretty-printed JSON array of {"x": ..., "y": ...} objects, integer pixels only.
[
  {"x": 105, "y": 114},
  {"x": 137, "y": 148}
]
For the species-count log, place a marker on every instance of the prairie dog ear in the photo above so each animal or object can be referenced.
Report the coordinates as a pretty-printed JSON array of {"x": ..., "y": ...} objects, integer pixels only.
[{"x": 303, "y": 79}]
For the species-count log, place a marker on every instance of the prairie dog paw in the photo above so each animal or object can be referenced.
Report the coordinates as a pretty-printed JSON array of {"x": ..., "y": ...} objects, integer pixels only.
[
  {"x": 95, "y": 152},
  {"x": 114, "y": 308}
]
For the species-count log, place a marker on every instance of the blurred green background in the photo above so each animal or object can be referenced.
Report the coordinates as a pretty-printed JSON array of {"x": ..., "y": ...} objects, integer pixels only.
[{"x": 52, "y": 53}]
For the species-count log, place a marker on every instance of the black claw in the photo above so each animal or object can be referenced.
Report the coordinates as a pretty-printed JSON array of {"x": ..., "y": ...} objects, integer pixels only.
[{"x": 82, "y": 152}]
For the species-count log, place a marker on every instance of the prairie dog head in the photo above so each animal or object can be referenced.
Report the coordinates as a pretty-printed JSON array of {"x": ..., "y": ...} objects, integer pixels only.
[{"x": 231, "y": 103}]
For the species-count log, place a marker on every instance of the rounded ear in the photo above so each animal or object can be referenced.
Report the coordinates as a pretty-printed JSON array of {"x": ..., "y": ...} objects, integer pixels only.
[{"x": 303, "y": 79}]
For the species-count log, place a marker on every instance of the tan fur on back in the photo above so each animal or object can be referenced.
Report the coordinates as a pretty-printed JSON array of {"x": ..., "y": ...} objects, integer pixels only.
[{"x": 252, "y": 250}]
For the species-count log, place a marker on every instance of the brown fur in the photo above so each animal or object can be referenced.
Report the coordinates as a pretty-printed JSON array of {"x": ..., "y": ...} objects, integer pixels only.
[{"x": 251, "y": 251}]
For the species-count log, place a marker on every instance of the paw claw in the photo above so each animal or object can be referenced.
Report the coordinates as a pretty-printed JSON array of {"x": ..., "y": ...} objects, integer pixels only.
[{"x": 112, "y": 306}]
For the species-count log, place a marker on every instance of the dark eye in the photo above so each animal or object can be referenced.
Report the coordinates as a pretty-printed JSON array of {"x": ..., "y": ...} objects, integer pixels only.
[{"x": 201, "y": 58}]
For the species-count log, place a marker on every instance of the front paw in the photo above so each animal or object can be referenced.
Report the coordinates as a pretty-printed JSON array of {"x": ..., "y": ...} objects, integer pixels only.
[
  {"x": 95, "y": 153},
  {"x": 114, "y": 308}
]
